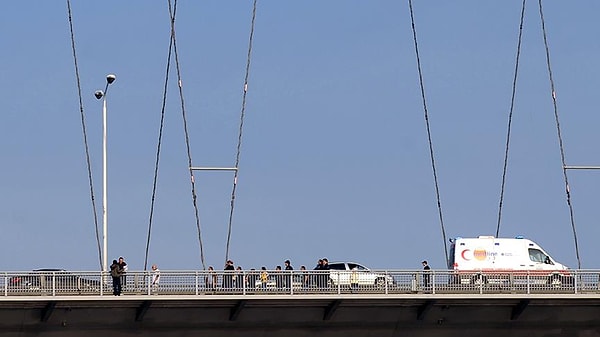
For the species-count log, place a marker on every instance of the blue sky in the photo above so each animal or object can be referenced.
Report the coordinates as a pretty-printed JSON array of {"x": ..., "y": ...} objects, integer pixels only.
[{"x": 334, "y": 158}]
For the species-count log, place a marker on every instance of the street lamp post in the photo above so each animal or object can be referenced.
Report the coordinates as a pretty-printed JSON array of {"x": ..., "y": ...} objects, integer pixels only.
[{"x": 110, "y": 78}]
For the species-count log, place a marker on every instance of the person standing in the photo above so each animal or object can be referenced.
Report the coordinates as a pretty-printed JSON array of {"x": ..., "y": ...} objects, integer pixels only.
[
  {"x": 354, "y": 280},
  {"x": 325, "y": 275},
  {"x": 155, "y": 277},
  {"x": 305, "y": 277},
  {"x": 317, "y": 276},
  {"x": 278, "y": 277},
  {"x": 228, "y": 275},
  {"x": 264, "y": 277},
  {"x": 238, "y": 278},
  {"x": 210, "y": 280},
  {"x": 252, "y": 277},
  {"x": 288, "y": 274},
  {"x": 115, "y": 272},
  {"x": 123, "y": 266},
  {"x": 426, "y": 274}
]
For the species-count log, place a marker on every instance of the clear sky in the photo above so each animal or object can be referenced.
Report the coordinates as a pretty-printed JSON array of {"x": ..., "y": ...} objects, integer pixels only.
[{"x": 334, "y": 161}]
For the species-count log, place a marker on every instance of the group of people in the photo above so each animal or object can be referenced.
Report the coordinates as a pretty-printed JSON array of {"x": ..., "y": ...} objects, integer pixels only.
[
  {"x": 118, "y": 272},
  {"x": 234, "y": 277},
  {"x": 321, "y": 279}
]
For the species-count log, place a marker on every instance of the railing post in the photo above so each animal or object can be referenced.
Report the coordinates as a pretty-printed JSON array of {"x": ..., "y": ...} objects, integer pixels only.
[
  {"x": 386, "y": 282},
  {"x": 481, "y": 281},
  {"x": 575, "y": 283},
  {"x": 291, "y": 283},
  {"x": 148, "y": 279},
  {"x": 197, "y": 280},
  {"x": 5, "y": 284},
  {"x": 528, "y": 284},
  {"x": 53, "y": 283},
  {"x": 243, "y": 281},
  {"x": 433, "y": 281}
]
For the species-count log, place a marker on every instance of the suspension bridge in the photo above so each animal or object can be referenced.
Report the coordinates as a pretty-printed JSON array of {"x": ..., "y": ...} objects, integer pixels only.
[{"x": 81, "y": 302}]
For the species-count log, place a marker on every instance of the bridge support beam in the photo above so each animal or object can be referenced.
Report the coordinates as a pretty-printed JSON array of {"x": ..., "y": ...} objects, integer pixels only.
[
  {"x": 141, "y": 310},
  {"x": 330, "y": 310},
  {"x": 423, "y": 309},
  {"x": 518, "y": 309},
  {"x": 236, "y": 310},
  {"x": 47, "y": 311}
]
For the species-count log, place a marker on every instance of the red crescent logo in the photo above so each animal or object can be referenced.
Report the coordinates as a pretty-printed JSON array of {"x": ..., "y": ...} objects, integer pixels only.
[{"x": 462, "y": 254}]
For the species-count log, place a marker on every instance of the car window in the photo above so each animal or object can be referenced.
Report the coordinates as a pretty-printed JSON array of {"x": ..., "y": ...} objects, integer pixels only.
[
  {"x": 337, "y": 266},
  {"x": 361, "y": 267}
]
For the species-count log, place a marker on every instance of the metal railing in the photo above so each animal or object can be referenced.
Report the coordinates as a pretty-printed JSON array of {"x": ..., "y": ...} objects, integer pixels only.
[{"x": 256, "y": 282}]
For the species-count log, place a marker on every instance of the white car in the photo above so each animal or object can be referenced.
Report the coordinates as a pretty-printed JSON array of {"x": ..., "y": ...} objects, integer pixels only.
[{"x": 347, "y": 273}]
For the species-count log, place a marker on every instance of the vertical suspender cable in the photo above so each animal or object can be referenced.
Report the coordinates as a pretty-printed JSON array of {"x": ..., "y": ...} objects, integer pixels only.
[
  {"x": 172, "y": 11},
  {"x": 510, "y": 114},
  {"x": 239, "y": 144},
  {"x": 85, "y": 142},
  {"x": 431, "y": 153},
  {"x": 560, "y": 141},
  {"x": 158, "y": 147}
]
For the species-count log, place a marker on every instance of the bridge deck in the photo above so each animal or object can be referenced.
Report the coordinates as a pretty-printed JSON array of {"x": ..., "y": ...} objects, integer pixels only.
[
  {"x": 301, "y": 315},
  {"x": 193, "y": 303}
]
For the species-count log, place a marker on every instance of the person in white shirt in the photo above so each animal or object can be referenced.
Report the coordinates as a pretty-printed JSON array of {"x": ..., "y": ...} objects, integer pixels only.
[{"x": 155, "y": 277}]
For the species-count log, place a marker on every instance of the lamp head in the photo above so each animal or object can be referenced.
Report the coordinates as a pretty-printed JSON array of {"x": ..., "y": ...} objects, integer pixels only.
[
  {"x": 110, "y": 78},
  {"x": 99, "y": 94}
]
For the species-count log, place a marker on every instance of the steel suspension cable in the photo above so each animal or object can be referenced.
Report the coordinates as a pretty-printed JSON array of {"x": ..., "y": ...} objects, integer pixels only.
[
  {"x": 431, "y": 152},
  {"x": 510, "y": 114},
  {"x": 560, "y": 140},
  {"x": 83, "y": 127},
  {"x": 239, "y": 143},
  {"x": 158, "y": 148},
  {"x": 172, "y": 12}
]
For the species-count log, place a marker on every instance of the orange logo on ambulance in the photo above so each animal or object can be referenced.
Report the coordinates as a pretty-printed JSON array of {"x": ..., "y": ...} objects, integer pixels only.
[{"x": 480, "y": 254}]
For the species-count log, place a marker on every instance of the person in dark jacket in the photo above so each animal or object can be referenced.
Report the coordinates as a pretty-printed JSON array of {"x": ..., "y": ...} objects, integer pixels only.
[
  {"x": 317, "y": 276},
  {"x": 325, "y": 275},
  {"x": 228, "y": 275},
  {"x": 123, "y": 266},
  {"x": 426, "y": 275},
  {"x": 116, "y": 272},
  {"x": 288, "y": 275},
  {"x": 278, "y": 277}
]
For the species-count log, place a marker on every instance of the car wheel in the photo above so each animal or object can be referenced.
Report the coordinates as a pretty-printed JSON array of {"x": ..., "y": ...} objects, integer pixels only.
[{"x": 555, "y": 281}]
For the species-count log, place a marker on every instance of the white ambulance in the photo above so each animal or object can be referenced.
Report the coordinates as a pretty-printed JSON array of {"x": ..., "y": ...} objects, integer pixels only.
[{"x": 487, "y": 259}]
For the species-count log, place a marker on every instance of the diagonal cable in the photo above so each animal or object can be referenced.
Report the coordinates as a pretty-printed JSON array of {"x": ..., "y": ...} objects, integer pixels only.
[
  {"x": 172, "y": 12},
  {"x": 239, "y": 144},
  {"x": 560, "y": 140},
  {"x": 83, "y": 127},
  {"x": 431, "y": 153},
  {"x": 158, "y": 148},
  {"x": 510, "y": 114}
]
